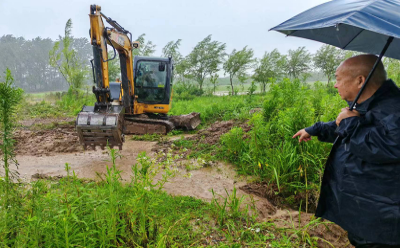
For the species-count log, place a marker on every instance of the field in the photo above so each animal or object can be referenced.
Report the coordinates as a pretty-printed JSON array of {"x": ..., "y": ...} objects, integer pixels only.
[{"x": 238, "y": 181}]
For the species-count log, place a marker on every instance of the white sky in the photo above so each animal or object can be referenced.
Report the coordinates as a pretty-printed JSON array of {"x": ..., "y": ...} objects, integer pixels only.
[{"x": 235, "y": 22}]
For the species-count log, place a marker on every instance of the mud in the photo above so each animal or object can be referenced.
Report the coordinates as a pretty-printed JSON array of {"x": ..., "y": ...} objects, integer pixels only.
[
  {"x": 86, "y": 164},
  {"x": 47, "y": 142},
  {"x": 220, "y": 179},
  {"x": 209, "y": 136},
  {"x": 212, "y": 134},
  {"x": 269, "y": 191},
  {"x": 305, "y": 224},
  {"x": 43, "y": 154},
  {"x": 27, "y": 123}
]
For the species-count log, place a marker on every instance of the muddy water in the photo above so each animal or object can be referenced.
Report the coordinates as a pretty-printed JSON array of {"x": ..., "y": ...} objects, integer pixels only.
[
  {"x": 87, "y": 164},
  {"x": 222, "y": 179}
]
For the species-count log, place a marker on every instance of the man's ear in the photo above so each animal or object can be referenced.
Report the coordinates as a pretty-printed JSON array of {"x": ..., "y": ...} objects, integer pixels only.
[{"x": 360, "y": 81}]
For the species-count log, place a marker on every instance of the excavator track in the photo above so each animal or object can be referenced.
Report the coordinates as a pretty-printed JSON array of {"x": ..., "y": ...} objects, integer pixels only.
[{"x": 143, "y": 125}]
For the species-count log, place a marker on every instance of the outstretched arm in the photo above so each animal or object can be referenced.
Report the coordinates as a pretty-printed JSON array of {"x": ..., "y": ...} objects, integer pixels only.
[{"x": 324, "y": 130}]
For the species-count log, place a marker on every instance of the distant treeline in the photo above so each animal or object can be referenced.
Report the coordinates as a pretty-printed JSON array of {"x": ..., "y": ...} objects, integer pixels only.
[{"x": 28, "y": 61}]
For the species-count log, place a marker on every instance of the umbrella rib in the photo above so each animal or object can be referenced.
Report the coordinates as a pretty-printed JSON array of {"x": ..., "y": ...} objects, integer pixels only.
[{"x": 355, "y": 36}]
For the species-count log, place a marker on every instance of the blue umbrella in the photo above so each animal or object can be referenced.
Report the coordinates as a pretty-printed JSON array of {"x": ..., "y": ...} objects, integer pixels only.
[{"x": 368, "y": 26}]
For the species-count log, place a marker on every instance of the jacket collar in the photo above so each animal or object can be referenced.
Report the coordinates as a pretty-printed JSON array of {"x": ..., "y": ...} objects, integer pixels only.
[{"x": 363, "y": 107}]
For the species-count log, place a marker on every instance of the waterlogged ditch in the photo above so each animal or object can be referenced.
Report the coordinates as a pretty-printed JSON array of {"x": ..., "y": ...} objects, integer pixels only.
[{"x": 205, "y": 179}]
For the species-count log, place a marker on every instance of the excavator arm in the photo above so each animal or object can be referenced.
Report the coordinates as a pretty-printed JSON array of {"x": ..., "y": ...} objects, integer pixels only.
[
  {"x": 102, "y": 124},
  {"x": 117, "y": 38}
]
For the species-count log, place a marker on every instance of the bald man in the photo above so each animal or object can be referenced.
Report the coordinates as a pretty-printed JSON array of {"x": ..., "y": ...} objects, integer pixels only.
[{"x": 360, "y": 190}]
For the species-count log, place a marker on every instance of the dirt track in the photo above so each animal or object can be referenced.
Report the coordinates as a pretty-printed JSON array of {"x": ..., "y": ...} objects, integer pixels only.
[{"x": 44, "y": 153}]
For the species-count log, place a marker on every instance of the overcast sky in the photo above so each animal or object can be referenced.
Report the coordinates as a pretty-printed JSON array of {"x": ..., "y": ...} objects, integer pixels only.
[{"x": 235, "y": 22}]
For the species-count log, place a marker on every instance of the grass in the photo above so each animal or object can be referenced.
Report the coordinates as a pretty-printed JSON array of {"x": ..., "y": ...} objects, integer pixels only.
[
  {"x": 268, "y": 151},
  {"x": 50, "y": 97},
  {"x": 70, "y": 104},
  {"x": 52, "y": 125},
  {"x": 212, "y": 108},
  {"x": 108, "y": 213},
  {"x": 149, "y": 137},
  {"x": 240, "y": 87}
]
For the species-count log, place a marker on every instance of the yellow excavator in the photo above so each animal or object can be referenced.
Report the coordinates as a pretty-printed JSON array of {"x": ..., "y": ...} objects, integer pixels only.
[{"x": 136, "y": 104}]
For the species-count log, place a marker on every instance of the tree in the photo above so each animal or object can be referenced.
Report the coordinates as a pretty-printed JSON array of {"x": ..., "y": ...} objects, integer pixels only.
[
  {"x": 349, "y": 54},
  {"x": 270, "y": 67},
  {"x": 146, "y": 48},
  {"x": 327, "y": 59},
  {"x": 83, "y": 50},
  {"x": 238, "y": 63},
  {"x": 66, "y": 60},
  {"x": 298, "y": 62},
  {"x": 204, "y": 60},
  {"x": 172, "y": 50},
  {"x": 214, "y": 81},
  {"x": 392, "y": 68},
  {"x": 181, "y": 70}
]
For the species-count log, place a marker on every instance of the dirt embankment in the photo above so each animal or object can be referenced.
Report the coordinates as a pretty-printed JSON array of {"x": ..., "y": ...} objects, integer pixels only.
[
  {"x": 209, "y": 136},
  {"x": 44, "y": 137},
  {"x": 47, "y": 142},
  {"x": 212, "y": 134}
]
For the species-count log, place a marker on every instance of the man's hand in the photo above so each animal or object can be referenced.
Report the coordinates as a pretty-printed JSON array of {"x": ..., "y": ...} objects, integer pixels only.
[
  {"x": 346, "y": 113},
  {"x": 304, "y": 136}
]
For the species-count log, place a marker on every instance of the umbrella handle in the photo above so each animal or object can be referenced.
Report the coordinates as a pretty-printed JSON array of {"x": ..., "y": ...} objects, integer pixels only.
[{"x": 390, "y": 39}]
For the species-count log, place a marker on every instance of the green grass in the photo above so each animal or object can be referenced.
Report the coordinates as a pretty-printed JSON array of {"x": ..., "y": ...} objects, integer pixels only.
[
  {"x": 73, "y": 212},
  {"x": 240, "y": 87},
  {"x": 70, "y": 104},
  {"x": 268, "y": 151},
  {"x": 149, "y": 137},
  {"x": 213, "y": 108}
]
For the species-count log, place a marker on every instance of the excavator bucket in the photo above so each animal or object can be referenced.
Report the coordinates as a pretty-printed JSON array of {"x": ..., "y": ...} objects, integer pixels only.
[
  {"x": 187, "y": 122},
  {"x": 100, "y": 128}
]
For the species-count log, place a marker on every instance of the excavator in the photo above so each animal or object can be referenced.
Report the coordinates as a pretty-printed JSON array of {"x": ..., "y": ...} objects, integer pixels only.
[{"x": 136, "y": 104}]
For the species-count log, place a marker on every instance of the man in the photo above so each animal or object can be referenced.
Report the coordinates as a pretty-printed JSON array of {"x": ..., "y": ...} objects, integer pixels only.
[{"x": 360, "y": 189}]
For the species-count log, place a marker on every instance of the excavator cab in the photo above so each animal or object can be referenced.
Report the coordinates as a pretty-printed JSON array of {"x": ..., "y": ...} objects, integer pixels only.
[{"x": 153, "y": 80}]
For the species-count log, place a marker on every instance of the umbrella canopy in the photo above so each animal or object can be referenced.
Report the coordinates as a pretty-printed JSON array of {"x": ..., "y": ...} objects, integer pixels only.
[{"x": 358, "y": 25}]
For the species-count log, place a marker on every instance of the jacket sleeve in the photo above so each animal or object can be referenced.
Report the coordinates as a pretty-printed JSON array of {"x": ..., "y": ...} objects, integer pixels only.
[
  {"x": 324, "y": 130},
  {"x": 375, "y": 143}
]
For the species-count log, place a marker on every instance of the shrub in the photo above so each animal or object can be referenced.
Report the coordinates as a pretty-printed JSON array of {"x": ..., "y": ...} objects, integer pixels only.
[
  {"x": 186, "y": 91},
  {"x": 233, "y": 144}
]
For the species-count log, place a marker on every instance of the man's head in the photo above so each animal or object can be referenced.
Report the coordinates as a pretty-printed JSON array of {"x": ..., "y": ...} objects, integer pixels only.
[{"x": 351, "y": 75}]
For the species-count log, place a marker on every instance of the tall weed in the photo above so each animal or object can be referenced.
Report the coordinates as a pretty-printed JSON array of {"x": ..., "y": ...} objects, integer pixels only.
[
  {"x": 269, "y": 151},
  {"x": 10, "y": 96}
]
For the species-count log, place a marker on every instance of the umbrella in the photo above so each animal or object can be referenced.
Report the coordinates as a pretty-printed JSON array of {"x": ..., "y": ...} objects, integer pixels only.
[{"x": 368, "y": 26}]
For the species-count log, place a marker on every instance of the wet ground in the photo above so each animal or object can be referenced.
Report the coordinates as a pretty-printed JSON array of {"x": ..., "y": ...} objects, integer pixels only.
[
  {"x": 88, "y": 164},
  {"x": 44, "y": 154}
]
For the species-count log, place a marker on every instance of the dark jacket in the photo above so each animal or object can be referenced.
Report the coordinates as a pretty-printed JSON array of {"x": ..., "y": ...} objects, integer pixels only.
[{"x": 360, "y": 188}]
